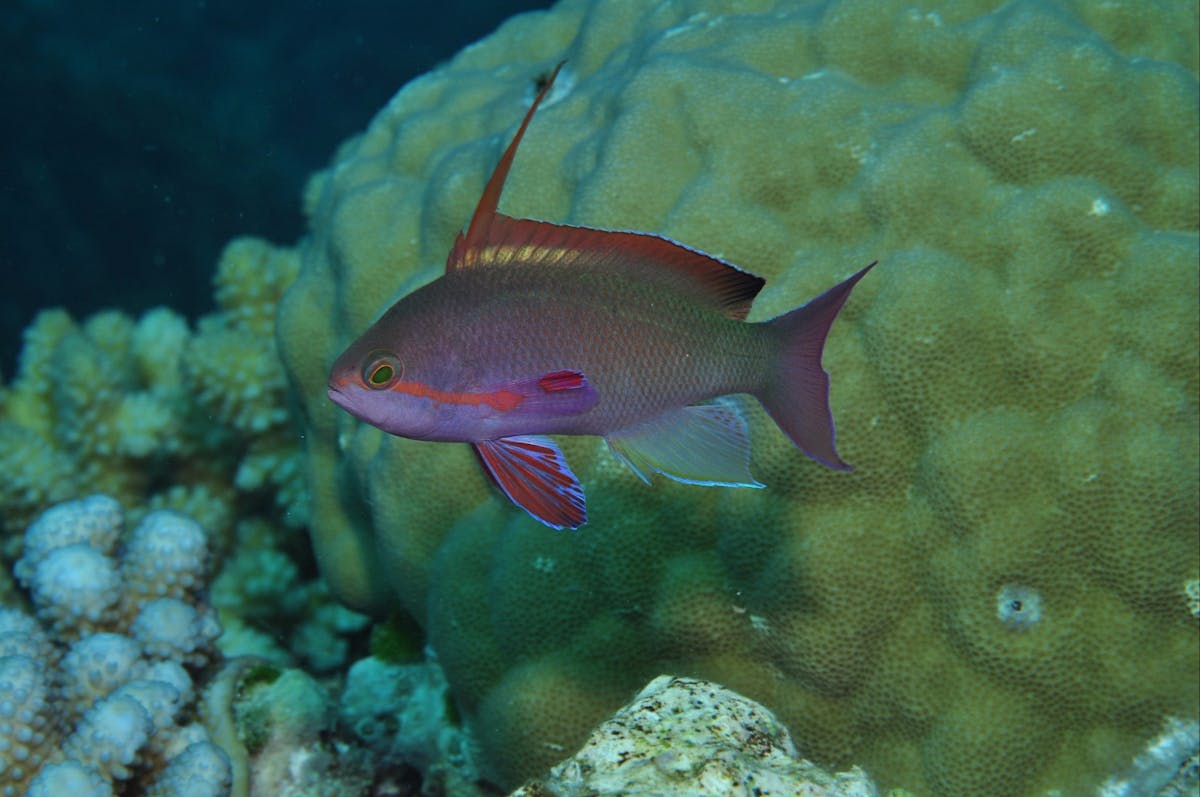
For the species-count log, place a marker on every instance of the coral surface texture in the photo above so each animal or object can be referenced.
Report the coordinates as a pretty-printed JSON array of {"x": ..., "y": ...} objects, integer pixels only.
[{"x": 995, "y": 601}]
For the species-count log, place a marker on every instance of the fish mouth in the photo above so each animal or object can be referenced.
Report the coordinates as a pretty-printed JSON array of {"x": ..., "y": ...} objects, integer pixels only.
[{"x": 339, "y": 398}]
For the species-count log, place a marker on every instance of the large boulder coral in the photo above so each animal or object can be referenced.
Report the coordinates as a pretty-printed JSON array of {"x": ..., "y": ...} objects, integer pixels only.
[{"x": 994, "y": 602}]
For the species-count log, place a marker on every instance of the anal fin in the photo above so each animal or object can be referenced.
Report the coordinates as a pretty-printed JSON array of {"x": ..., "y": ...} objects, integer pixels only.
[
  {"x": 705, "y": 444},
  {"x": 533, "y": 473}
]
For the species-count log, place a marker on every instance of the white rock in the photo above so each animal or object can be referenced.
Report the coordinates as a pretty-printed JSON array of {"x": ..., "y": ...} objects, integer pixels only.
[{"x": 682, "y": 736}]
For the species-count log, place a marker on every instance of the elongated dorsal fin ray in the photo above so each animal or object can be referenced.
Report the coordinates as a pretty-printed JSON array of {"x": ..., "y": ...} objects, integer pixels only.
[
  {"x": 485, "y": 211},
  {"x": 494, "y": 239}
]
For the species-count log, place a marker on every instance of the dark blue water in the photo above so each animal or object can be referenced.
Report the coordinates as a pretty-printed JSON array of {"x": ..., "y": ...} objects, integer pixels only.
[{"x": 138, "y": 141}]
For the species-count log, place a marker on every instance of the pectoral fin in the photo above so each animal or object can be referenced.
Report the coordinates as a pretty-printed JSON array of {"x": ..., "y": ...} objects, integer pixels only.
[
  {"x": 549, "y": 395},
  {"x": 705, "y": 444},
  {"x": 533, "y": 473}
]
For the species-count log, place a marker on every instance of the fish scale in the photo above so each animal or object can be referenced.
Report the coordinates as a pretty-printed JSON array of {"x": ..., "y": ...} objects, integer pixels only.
[{"x": 684, "y": 353}]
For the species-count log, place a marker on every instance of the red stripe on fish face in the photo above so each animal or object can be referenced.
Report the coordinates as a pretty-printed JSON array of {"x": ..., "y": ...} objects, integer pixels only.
[{"x": 502, "y": 400}]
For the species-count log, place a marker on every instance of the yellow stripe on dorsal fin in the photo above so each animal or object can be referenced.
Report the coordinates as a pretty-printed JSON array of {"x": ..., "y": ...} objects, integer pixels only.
[{"x": 639, "y": 257}]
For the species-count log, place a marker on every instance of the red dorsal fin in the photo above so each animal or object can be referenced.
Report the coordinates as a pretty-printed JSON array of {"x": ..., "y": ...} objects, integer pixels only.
[
  {"x": 636, "y": 256},
  {"x": 495, "y": 239}
]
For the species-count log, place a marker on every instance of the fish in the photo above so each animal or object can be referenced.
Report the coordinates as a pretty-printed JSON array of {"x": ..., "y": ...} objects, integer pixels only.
[{"x": 537, "y": 329}]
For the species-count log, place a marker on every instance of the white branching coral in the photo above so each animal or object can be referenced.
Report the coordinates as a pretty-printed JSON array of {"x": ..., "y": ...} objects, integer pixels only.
[{"x": 95, "y": 697}]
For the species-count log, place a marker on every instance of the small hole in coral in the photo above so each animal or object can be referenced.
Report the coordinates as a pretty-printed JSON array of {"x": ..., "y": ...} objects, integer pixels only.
[{"x": 1018, "y": 607}]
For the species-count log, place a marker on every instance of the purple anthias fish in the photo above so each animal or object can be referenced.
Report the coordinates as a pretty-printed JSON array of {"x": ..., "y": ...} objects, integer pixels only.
[{"x": 539, "y": 328}]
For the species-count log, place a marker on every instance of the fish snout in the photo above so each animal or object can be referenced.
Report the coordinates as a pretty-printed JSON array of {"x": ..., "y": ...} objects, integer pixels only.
[{"x": 338, "y": 397}]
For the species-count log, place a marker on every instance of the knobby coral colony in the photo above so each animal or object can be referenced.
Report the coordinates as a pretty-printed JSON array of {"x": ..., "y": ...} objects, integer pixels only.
[
  {"x": 111, "y": 684},
  {"x": 992, "y": 603},
  {"x": 156, "y": 414},
  {"x": 98, "y": 683}
]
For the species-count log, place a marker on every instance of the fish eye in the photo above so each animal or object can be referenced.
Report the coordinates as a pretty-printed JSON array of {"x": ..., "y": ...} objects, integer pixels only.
[{"x": 381, "y": 371}]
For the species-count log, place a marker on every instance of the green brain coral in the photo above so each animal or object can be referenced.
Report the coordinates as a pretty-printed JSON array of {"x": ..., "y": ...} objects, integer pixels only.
[{"x": 994, "y": 602}]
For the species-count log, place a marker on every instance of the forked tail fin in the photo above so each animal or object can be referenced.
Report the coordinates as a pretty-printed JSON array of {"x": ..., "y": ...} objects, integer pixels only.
[{"x": 797, "y": 398}]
